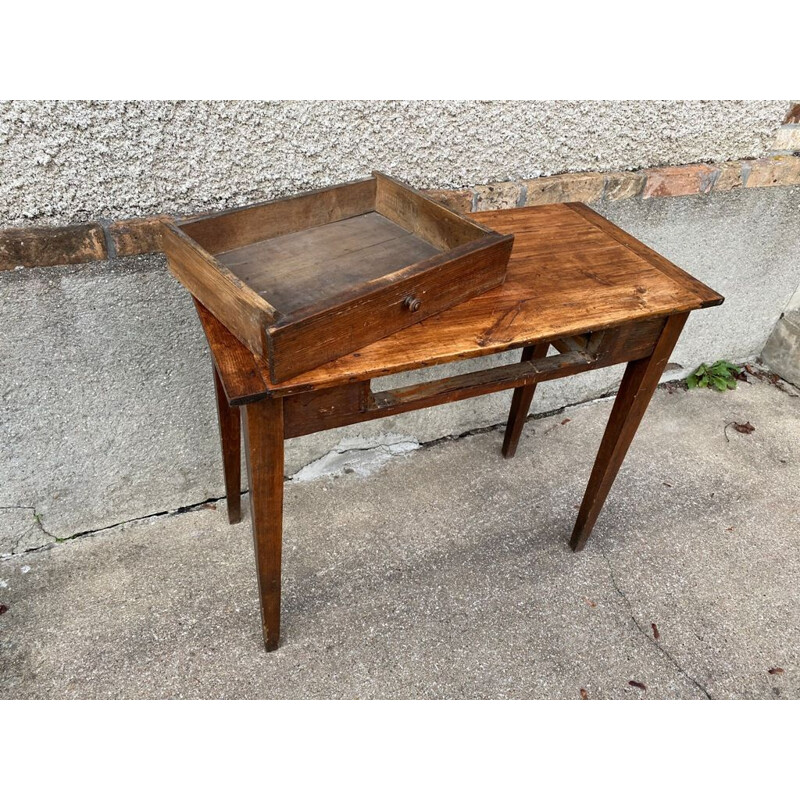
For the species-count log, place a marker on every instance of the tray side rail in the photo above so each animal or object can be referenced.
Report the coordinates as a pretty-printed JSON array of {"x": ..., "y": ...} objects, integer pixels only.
[
  {"x": 230, "y": 230},
  {"x": 217, "y": 288},
  {"x": 423, "y": 216}
]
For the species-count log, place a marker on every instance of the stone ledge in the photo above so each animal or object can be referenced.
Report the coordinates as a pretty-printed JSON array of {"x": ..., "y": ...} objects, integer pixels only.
[
  {"x": 46, "y": 247},
  {"x": 775, "y": 171},
  {"x": 578, "y": 187},
  {"x": 494, "y": 196},
  {"x": 131, "y": 237},
  {"x": 787, "y": 139},
  {"x": 459, "y": 200},
  {"x": 679, "y": 181},
  {"x": 729, "y": 176},
  {"x": 76, "y": 244},
  {"x": 621, "y": 185}
]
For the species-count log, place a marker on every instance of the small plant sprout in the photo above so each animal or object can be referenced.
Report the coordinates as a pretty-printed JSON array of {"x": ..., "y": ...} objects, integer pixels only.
[{"x": 721, "y": 375}]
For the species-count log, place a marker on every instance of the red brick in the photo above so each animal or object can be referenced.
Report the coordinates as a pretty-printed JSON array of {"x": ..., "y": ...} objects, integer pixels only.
[
  {"x": 730, "y": 176},
  {"x": 775, "y": 171},
  {"x": 679, "y": 181}
]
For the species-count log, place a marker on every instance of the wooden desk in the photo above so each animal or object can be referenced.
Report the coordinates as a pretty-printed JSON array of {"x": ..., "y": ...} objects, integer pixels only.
[{"x": 575, "y": 282}]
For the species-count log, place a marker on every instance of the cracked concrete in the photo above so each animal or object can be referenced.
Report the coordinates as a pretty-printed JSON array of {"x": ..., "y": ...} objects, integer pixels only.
[
  {"x": 446, "y": 574},
  {"x": 652, "y": 637},
  {"x": 21, "y": 529}
]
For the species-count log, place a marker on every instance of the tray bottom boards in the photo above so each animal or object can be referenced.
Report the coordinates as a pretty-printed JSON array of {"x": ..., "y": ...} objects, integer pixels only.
[{"x": 311, "y": 266}]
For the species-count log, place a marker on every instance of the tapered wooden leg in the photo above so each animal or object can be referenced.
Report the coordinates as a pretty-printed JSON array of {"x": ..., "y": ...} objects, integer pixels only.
[
  {"x": 264, "y": 449},
  {"x": 230, "y": 436},
  {"x": 637, "y": 387},
  {"x": 521, "y": 403}
]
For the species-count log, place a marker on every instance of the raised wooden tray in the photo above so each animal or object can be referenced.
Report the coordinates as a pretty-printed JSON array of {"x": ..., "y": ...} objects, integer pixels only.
[{"x": 306, "y": 279}]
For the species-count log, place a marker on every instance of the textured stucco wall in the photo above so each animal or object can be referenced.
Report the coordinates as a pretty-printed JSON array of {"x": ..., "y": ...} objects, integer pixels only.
[
  {"x": 76, "y": 161},
  {"x": 105, "y": 380}
]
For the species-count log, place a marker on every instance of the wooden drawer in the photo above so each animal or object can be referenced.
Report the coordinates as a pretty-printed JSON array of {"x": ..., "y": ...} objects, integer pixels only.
[{"x": 307, "y": 279}]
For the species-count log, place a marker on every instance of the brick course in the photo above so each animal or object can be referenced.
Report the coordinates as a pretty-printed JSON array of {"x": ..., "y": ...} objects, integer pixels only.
[
  {"x": 31, "y": 247},
  {"x": 775, "y": 171},
  {"x": 132, "y": 237},
  {"x": 729, "y": 177},
  {"x": 460, "y": 201},
  {"x": 679, "y": 181},
  {"x": 498, "y": 195},
  {"x": 578, "y": 187},
  {"x": 621, "y": 185}
]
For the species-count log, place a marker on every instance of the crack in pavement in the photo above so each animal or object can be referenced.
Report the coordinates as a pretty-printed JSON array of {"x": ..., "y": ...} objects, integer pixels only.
[
  {"x": 674, "y": 661},
  {"x": 183, "y": 509},
  {"x": 36, "y": 516},
  {"x": 38, "y": 519},
  {"x": 81, "y": 534}
]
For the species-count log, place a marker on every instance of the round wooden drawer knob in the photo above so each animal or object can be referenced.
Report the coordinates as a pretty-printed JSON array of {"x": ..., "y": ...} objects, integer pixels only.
[{"x": 413, "y": 303}]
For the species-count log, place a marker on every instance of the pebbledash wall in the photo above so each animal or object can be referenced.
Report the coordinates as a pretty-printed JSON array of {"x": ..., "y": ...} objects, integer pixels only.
[{"x": 107, "y": 402}]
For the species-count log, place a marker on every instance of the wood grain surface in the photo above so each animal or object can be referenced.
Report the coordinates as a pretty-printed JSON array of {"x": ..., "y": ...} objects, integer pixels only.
[
  {"x": 225, "y": 295},
  {"x": 229, "y": 230},
  {"x": 263, "y": 436},
  {"x": 303, "y": 280},
  {"x": 566, "y": 276},
  {"x": 314, "y": 266}
]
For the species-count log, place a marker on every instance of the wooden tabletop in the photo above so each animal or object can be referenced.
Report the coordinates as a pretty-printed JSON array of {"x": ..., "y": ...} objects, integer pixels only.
[{"x": 571, "y": 271}]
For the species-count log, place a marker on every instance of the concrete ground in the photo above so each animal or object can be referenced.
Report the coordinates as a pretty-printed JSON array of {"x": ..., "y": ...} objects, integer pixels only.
[{"x": 446, "y": 574}]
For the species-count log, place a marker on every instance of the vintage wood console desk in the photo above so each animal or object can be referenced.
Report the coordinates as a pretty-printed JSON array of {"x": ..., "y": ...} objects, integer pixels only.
[{"x": 575, "y": 283}]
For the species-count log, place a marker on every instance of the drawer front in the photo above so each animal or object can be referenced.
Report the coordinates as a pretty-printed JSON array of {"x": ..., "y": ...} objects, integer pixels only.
[{"x": 296, "y": 347}]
